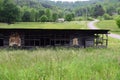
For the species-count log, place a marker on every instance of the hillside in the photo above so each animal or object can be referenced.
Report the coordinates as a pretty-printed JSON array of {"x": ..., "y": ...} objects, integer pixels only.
[
  {"x": 50, "y": 11},
  {"x": 70, "y": 6}
]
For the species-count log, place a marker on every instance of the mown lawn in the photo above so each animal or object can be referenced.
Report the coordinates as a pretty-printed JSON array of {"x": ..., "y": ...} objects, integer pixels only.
[
  {"x": 109, "y": 24},
  {"x": 47, "y": 25},
  {"x": 61, "y": 63}
]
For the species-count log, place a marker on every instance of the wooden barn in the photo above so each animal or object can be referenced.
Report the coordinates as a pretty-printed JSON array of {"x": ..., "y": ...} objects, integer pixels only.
[{"x": 53, "y": 37}]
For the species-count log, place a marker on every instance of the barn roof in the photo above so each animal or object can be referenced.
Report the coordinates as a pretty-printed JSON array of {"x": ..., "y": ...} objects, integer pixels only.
[{"x": 98, "y": 31}]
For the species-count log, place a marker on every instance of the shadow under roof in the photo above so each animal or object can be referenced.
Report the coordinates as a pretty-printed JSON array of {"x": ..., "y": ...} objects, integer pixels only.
[{"x": 101, "y": 31}]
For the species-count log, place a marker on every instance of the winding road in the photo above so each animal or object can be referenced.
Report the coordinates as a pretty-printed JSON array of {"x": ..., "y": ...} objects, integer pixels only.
[{"x": 92, "y": 26}]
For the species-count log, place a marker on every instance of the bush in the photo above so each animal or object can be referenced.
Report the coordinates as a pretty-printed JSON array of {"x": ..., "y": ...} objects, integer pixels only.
[
  {"x": 107, "y": 17},
  {"x": 100, "y": 18},
  {"x": 81, "y": 18},
  {"x": 68, "y": 17},
  {"x": 44, "y": 18},
  {"x": 90, "y": 19},
  {"x": 118, "y": 21}
]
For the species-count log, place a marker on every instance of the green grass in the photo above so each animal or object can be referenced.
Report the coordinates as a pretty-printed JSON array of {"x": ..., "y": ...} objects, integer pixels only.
[
  {"x": 109, "y": 24},
  {"x": 47, "y": 25},
  {"x": 61, "y": 63}
]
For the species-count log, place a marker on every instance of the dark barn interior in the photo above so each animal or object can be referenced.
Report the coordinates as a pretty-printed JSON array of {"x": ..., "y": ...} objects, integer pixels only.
[{"x": 53, "y": 37}]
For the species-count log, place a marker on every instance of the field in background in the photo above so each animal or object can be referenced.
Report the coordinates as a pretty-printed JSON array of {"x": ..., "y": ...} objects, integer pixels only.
[
  {"x": 61, "y": 63},
  {"x": 109, "y": 24},
  {"x": 47, "y": 25}
]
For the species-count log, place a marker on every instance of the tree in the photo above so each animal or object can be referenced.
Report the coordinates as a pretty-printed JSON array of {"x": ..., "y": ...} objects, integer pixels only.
[
  {"x": 61, "y": 15},
  {"x": 1, "y": 3},
  {"x": 32, "y": 15},
  {"x": 118, "y": 10},
  {"x": 9, "y": 13},
  {"x": 26, "y": 16},
  {"x": 55, "y": 16},
  {"x": 68, "y": 17},
  {"x": 48, "y": 14},
  {"x": 111, "y": 10},
  {"x": 43, "y": 18},
  {"x": 41, "y": 13},
  {"x": 98, "y": 11},
  {"x": 118, "y": 21},
  {"x": 73, "y": 15}
]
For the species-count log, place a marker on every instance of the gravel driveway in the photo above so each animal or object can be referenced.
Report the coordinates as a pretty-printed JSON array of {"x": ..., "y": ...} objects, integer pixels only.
[{"x": 92, "y": 26}]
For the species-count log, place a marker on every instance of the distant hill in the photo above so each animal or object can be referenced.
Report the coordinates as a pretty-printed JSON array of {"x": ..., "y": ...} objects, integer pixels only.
[
  {"x": 65, "y": 5},
  {"x": 38, "y": 10}
]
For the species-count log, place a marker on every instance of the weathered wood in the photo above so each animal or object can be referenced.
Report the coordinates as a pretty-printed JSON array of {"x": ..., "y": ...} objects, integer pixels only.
[{"x": 54, "y": 37}]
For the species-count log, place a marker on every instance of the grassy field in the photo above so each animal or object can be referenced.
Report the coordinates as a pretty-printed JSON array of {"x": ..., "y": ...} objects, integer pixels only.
[
  {"x": 61, "y": 63},
  {"x": 109, "y": 24},
  {"x": 48, "y": 25}
]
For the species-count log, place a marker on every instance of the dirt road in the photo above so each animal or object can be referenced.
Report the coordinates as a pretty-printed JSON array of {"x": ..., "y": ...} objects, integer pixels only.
[{"x": 92, "y": 26}]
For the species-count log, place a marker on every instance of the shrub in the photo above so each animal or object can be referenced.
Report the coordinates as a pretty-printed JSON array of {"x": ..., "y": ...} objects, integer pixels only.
[
  {"x": 107, "y": 17},
  {"x": 68, "y": 17},
  {"x": 44, "y": 18},
  {"x": 90, "y": 19},
  {"x": 81, "y": 18},
  {"x": 118, "y": 21},
  {"x": 100, "y": 18}
]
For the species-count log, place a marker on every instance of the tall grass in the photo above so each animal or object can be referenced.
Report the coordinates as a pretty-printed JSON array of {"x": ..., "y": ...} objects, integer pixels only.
[{"x": 61, "y": 63}]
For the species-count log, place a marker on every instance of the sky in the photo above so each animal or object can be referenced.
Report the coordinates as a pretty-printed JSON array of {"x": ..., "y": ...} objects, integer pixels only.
[{"x": 70, "y": 0}]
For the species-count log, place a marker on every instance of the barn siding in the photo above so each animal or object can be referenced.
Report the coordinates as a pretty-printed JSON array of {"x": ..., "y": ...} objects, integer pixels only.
[{"x": 86, "y": 38}]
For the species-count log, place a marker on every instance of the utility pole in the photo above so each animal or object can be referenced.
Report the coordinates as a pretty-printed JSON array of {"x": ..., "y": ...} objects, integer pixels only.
[{"x": 86, "y": 17}]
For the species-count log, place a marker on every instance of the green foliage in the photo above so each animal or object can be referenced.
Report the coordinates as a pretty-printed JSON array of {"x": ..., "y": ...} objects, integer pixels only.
[
  {"x": 49, "y": 14},
  {"x": 90, "y": 19},
  {"x": 55, "y": 16},
  {"x": 68, "y": 17},
  {"x": 100, "y": 18},
  {"x": 9, "y": 13},
  {"x": 78, "y": 18},
  {"x": 118, "y": 21},
  {"x": 61, "y": 63},
  {"x": 107, "y": 16},
  {"x": 33, "y": 14},
  {"x": 43, "y": 18},
  {"x": 109, "y": 24},
  {"x": 38, "y": 8},
  {"x": 26, "y": 17},
  {"x": 111, "y": 10},
  {"x": 118, "y": 10},
  {"x": 98, "y": 11},
  {"x": 41, "y": 13}
]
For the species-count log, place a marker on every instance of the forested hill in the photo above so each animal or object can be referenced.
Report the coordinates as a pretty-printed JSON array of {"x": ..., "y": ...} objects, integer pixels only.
[
  {"x": 34, "y": 3},
  {"x": 72, "y": 5},
  {"x": 47, "y": 10},
  {"x": 110, "y": 6}
]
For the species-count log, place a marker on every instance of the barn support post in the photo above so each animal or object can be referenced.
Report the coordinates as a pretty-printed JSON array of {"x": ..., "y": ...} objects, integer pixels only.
[{"x": 107, "y": 40}]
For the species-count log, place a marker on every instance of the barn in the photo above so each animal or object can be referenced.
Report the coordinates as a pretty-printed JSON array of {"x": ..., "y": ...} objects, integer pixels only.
[{"x": 53, "y": 37}]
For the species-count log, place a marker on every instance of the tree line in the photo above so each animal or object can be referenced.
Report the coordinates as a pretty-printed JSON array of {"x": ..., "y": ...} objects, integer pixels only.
[
  {"x": 10, "y": 13},
  {"x": 47, "y": 11}
]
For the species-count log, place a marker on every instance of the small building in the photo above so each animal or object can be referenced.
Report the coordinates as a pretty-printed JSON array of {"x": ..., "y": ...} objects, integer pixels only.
[
  {"x": 60, "y": 20},
  {"x": 53, "y": 37}
]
